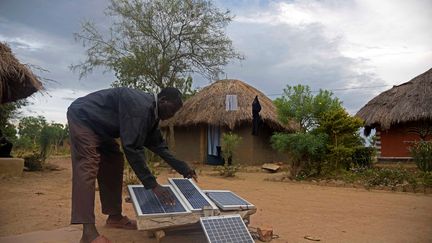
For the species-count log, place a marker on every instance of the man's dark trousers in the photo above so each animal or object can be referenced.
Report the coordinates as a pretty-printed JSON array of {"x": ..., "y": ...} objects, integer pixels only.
[{"x": 94, "y": 157}]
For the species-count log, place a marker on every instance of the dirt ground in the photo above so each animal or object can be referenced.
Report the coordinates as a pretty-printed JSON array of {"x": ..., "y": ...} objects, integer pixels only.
[{"x": 36, "y": 208}]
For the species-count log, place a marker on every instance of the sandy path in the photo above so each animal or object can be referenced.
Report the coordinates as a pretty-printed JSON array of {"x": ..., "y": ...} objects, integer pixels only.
[{"x": 38, "y": 205}]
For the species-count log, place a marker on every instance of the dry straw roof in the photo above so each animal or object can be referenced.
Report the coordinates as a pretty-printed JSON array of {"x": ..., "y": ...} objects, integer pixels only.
[
  {"x": 208, "y": 107},
  {"x": 410, "y": 101},
  {"x": 16, "y": 80}
]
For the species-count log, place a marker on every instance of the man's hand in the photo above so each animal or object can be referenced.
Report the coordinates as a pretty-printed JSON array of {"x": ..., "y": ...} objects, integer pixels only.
[
  {"x": 191, "y": 174},
  {"x": 164, "y": 195}
]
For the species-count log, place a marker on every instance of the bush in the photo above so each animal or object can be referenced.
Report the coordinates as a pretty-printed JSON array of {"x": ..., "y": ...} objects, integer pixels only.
[
  {"x": 34, "y": 161},
  {"x": 426, "y": 178},
  {"x": 362, "y": 156},
  {"x": 306, "y": 149},
  {"x": 229, "y": 144},
  {"x": 422, "y": 154},
  {"x": 388, "y": 177}
]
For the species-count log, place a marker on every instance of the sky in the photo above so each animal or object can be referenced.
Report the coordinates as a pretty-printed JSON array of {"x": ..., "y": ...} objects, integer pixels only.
[{"x": 357, "y": 49}]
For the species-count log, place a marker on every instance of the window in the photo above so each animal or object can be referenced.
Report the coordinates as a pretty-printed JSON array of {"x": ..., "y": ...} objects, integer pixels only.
[{"x": 231, "y": 103}]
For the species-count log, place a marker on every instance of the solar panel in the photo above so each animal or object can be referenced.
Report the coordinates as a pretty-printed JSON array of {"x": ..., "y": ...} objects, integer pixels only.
[
  {"x": 227, "y": 200},
  {"x": 226, "y": 229},
  {"x": 147, "y": 204},
  {"x": 192, "y": 195}
]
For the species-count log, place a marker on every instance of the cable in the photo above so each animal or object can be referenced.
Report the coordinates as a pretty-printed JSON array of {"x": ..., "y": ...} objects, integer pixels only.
[{"x": 342, "y": 89}]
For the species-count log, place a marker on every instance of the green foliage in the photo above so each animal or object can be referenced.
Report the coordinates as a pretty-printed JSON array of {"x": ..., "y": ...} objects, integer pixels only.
[
  {"x": 230, "y": 142},
  {"x": 342, "y": 130},
  {"x": 328, "y": 137},
  {"x": 9, "y": 112},
  {"x": 52, "y": 135},
  {"x": 362, "y": 156},
  {"x": 388, "y": 177},
  {"x": 421, "y": 152},
  {"x": 34, "y": 161},
  {"x": 307, "y": 150},
  {"x": 425, "y": 178},
  {"x": 30, "y": 127},
  {"x": 298, "y": 103},
  {"x": 159, "y": 43}
]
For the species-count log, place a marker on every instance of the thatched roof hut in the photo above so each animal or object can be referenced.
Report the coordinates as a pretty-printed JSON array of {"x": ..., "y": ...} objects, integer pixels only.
[
  {"x": 208, "y": 107},
  {"x": 410, "y": 101},
  {"x": 401, "y": 116},
  {"x": 196, "y": 131},
  {"x": 16, "y": 80}
]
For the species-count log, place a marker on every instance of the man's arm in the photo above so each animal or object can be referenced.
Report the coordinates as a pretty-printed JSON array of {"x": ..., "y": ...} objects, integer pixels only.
[
  {"x": 131, "y": 138},
  {"x": 157, "y": 145}
]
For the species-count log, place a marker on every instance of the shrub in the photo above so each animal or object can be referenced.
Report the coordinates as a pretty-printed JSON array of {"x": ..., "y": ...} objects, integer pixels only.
[
  {"x": 230, "y": 142},
  {"x": 34, "y": 161},
  {"x": 362, "y": 156},
  {"x": 306, "y": 149},
  {"x": 388, "y": 177},
  {"x": 422, "y": 154}
]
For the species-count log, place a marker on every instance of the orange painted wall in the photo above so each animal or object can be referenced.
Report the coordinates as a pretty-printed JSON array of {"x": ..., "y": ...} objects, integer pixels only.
[{"x": 396, "y": 141}]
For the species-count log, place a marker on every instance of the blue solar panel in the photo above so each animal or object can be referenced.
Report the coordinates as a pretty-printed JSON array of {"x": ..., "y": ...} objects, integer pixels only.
[
  {"x": 150, "y": 204},
  {"x": 191, "y": 193},
  {"x": 226, "y": 229},
  {"x": 228, "y": 200}
]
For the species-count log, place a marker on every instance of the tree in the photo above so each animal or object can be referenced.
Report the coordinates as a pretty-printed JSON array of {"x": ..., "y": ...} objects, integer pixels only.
[
  {"x": 328, "y": 136},
  {"x": 159, "y": 43},
  {"x": 30, "y": 127},
  {"x": 8, "y": 112},
  {"x": 298, "y": 103},
  {"x": 344, "y": 137}
]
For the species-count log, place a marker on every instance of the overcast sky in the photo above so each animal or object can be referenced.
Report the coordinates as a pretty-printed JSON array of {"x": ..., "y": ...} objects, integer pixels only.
[{"x": 357, "y": 49}]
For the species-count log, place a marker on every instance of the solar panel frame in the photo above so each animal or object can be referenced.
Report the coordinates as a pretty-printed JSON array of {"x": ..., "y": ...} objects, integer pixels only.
[
  {"x": 228, "y": 207},
  {"x": 139, "y": 212},
  {"x": 186, "y": 201},
  {"x": 211, "y": 232}
]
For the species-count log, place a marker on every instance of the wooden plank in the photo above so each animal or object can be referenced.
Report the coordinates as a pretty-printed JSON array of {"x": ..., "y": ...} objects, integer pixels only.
[
  {"x": 176, "y": 221},
  {"x": 271, "y": 167}
]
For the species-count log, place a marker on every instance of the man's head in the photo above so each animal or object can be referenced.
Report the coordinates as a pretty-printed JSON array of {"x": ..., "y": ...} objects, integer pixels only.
[{"x": 169, "y": 102}]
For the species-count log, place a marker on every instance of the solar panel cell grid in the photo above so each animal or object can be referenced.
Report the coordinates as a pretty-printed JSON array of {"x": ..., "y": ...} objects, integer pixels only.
[
  {"x": 150, "y": 204},
  {"x": 191, "y": 193},
  {"x": 226, "y": 230},
  {"x": 226, "y": 198}
]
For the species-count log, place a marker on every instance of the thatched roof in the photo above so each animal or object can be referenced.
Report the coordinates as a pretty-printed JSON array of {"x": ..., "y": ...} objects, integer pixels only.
[
  {"x": 410, "y": 101},
  {"x": 208, "y": 107},
  {"x": 16, "y": 80}
]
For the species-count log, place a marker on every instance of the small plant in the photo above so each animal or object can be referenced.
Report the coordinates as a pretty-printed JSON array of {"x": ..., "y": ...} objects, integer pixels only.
[
  {"x": 230, "y": 142},
  {"x": 422, "y": 154},
  {"x": 34, "y": 161},
  {"x": 388, "y": 177},
  {"x": 363, "y": 156}
]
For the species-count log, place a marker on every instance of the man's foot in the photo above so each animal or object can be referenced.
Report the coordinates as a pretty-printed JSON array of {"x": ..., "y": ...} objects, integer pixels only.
[
  {"x": 90, "y": 233},
  {"x": 122, "y": 222},
  {"x": 98, "y": 239}
]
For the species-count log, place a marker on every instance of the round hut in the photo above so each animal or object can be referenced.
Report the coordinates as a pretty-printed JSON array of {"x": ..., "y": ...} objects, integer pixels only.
[
  {"x": 225, "y": 106},
  {"x": 16, "y": 80},
  {"x": 400, "y": 115}
]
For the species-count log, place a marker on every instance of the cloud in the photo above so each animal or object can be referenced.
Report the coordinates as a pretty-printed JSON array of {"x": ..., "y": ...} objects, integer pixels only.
[
  {"x": 328, "y": 44},
  {"x": 280, "y": 54}
]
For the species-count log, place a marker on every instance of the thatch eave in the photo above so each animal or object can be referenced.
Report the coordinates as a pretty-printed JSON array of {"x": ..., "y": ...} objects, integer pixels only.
[{"x": 16, "y": 80}]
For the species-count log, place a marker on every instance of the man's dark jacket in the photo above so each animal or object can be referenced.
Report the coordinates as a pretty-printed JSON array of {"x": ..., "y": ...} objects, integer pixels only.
[{"x": 130, "y": 115}]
